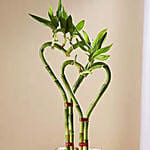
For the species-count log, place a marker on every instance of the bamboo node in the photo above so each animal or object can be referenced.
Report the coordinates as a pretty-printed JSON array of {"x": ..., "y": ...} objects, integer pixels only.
[
  {"x": 83, "y": 144},
  {"x": 67, "y": 104},
  {"x": 69, "y": 144},
  {"x": 84, "y": 120}
]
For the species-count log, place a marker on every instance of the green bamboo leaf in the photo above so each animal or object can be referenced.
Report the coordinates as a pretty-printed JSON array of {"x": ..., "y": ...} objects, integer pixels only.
[
  {"x": 58, "y": 14},
  {"x": 102, "y": 50},
  {"x": 55, "y": 21},
  {"x": 43, "y": 21},
  {"x": 102, "y": 40},
  {"x": 63, "y": 23},
  {"x": 100, "y": 37},
  {"x": 102, "y": 57},
  {"x": 53, "y": 18},
  {"x": 69, "y": 26},
  {"x": 50, "y": 12},
  {"x": 80, "y": 25},
  {"x": 64, "y": 14},
  {"x": 59, "y": 4},
  {"x": 86, "y": 37},
  {"x": 82, "y": 45},
  {"x": 59, "y": 10}
]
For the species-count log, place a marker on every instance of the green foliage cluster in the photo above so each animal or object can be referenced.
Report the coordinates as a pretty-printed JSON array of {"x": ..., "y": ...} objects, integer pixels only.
[{"x": 61, "y": 22}]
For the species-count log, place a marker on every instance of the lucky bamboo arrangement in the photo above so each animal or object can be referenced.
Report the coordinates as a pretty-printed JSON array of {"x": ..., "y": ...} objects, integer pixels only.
[{"x": 63, "y": 23}]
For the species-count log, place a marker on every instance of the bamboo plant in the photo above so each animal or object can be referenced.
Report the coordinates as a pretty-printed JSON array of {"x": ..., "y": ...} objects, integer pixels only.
[{"x": 78, "y": 39}]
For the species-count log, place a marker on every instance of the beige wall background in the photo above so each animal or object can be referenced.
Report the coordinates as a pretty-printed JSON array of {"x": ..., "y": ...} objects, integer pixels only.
[{"x": 31, "y": 108}]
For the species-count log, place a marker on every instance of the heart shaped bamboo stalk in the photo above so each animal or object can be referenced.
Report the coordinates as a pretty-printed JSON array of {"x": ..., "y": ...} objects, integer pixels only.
[
  {"x": 63, "y": 23},
  {"x": 84, "y": 125},
  {"x": 69, "y": 133}
]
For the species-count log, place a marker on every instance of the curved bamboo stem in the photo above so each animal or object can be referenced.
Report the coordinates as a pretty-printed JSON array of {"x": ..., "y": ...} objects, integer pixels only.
[
  {"x": 48, "y": 68},
  {"x": 64, "y": 79},
  {"x": 100, "y": 93},
  {"x": 69, "y": 133}
]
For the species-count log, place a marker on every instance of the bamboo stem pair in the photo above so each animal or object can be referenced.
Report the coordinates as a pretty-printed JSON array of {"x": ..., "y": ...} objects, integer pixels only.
[{"x": 69, "y": 128}]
